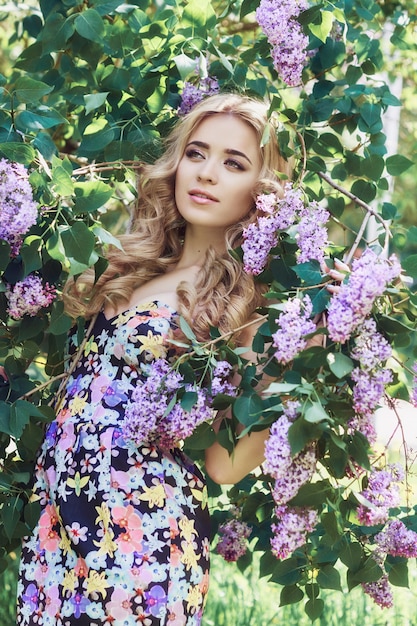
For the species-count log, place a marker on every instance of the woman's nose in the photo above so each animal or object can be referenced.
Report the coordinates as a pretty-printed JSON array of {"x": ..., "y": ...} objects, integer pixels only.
[{"x": 207, "y": 172}]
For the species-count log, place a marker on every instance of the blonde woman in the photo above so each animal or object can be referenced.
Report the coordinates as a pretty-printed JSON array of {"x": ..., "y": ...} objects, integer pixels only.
[{"x": 123, "y": 536}]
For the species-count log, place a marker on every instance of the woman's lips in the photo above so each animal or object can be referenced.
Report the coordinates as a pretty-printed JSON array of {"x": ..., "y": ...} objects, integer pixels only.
[{"x": 201, "y": 197}]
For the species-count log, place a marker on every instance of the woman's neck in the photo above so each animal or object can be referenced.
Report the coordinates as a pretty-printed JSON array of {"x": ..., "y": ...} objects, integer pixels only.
[{"x": 196, "y": 244}]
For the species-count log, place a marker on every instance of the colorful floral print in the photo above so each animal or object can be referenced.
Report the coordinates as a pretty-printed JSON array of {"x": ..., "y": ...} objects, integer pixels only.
[{"x": 123, "y": 534}]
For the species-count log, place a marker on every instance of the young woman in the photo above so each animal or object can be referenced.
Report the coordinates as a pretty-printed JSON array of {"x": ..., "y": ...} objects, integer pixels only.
[{"x": 123, "y": 536}]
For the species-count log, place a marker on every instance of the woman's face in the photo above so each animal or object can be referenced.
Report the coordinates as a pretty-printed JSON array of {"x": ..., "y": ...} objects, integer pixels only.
[{"x": 218, "y": 172}]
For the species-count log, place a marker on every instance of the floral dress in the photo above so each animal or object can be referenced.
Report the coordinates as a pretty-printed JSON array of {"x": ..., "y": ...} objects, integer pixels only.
[{"x": 123, "y": 536}]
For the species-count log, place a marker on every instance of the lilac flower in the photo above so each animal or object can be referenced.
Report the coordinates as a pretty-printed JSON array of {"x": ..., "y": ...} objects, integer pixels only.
[
  {"x": 380, "y": 591},
  {"x": 220, "y": 380},
  {"x": 233, "y": 543},
  {"x": 258, "y": 240},
  {"x": 381, "y": 494},
  {"x": 312, "y": 235},
  {"x": 369, "y": 388},
  {"x": 371, "y": 348},
  {"x": 291, "y": 530},
  {"x": 294, "y": 324},
  {"x": 397, "y": 540},
  {"x": 18, "y": 210},
  {"x": 278, "y": 20},
  {"x": 277, "y": 215},
  {"x": 353, "y": 303},
  {"x": 290, "y": 472},
  {"x": 154, "y": 413},
  {"x": 28, "y": 296},
  {"x": 261, "y": 236},
  {"x": 192, "y": 95}
]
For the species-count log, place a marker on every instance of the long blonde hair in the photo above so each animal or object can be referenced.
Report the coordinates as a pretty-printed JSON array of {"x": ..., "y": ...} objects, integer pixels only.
[{"x": 223, "y": 295}]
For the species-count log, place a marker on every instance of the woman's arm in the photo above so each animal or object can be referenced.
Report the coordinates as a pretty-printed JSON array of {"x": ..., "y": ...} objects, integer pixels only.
[{"x": 225, "y": 468}]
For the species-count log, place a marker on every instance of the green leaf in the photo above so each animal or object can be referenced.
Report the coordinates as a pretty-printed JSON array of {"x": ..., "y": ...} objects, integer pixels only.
[
  {"x": 397, "y": 164},
  {"x": 309, "y": 272},
  {"x": 5, "y": 418},
  {"x": 78, "y": 242},
  {"x": 62, "y": 181},
  {"x": 90, "y": 25},
  {"x": 19, "y": 152},
  {"x": 315, "y": 413},
  {"x": 44, "y": 117},
  {"x": 313, "y": 494},
  {"x": 410, "y": 265},
  {"x": 199, "y": 15},
  {"x": 4, "y": 254},
  {"x": 397, "y": 569},
  {"x": 248, "y": 408},
  {"x": 288, "y": 572},
  {"x": 31, "y": 253},
  {"x": 91, "y": 195},
  {"x": 389, "y": 211},
  {"x": 291, "y": 594},
  {"x": 351, "y": 555},
  {"x": 10, "y": 515},
  {"x": 186, "y": 329},
  {"x": 32, "y": 512},
  {"x": 370, "y": 117},
  {"x": 339, "y": 364},
  {"x": 358, "y": 448},
  {"x": 29, "y": 90},
  {"x": 60, "y": 322},
  {"x": 314, "y": 608},
  {"x": 322, "y": 30},
  {"x": 20, "y": 413},
  {"x": 369, "y": 572},
  {"x": 329, "y": 578},
  {"x": 188, "y": 400},
  {"x": 366, "y": 191},
  {"x": 95, "y": 101}
]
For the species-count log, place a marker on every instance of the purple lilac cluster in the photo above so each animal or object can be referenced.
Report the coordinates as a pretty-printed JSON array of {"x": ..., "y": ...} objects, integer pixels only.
[
  {"x": 312, "y": 234},
  {"x": 353, "y": 303},
  {"x": 192, "y": 95},
  {"x": 291, "y": 530},
  {"x": 371, "y": 350},
  {"x": 380, "y": 591},
  {"x": 278, "y": 20},
  {"x": 220, "y": 383},
  {"x": 261, "y": 236},
  {"x": 290, "y": 472},
  {"x": 381, "y": 494},
  {"x": 152, "y": 415},
  {"x": 276, "y": 215},
  {"x": 397, "y": 540},
  {"x": 18, "y": 210},
  {"x": 233, "y": 542},
  {"x": 28, "y": 296},
  {"x": 294, "y": 324}
]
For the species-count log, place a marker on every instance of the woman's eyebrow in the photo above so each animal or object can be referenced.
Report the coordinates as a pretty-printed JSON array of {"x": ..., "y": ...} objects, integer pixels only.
[{"x": 202, "y": 144}]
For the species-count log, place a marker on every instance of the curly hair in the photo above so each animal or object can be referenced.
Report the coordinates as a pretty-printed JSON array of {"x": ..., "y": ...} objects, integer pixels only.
[{"x": 223, "y": 295}]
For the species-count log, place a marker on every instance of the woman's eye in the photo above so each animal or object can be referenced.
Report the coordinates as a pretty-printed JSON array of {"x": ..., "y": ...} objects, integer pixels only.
[
  {"x": 234, "y": 164},
  {"x": 192, "y": 153}
]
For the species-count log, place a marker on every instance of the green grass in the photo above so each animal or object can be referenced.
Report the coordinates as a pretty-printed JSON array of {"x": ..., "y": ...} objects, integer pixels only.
[{"x": 237, "y": 599}]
